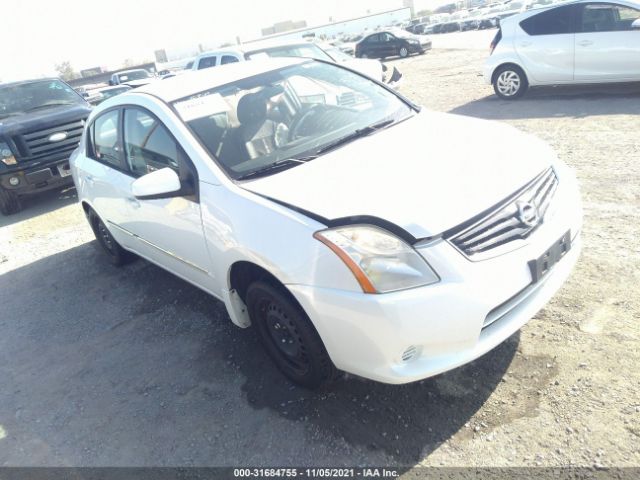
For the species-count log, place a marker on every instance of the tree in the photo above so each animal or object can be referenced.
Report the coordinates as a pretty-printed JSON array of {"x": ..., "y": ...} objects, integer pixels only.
[{"x": 66, "y": 71}]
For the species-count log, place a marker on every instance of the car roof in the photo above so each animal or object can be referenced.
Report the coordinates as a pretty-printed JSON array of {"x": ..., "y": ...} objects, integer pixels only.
[
  {"x": 132, "y": 70},
  {"x": 32, "y": 80},
  {"x": 253, "y": 46},
  {"x": 534, "y": 11},
  {"x": 193, "y": 82}
]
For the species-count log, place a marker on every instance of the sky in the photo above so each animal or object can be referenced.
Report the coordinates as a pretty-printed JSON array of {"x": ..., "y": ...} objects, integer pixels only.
[{"x": 38, "y": 34}]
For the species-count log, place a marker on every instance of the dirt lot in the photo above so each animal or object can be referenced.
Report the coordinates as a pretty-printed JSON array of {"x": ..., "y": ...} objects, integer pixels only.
[{"x": 104, "y": 366}]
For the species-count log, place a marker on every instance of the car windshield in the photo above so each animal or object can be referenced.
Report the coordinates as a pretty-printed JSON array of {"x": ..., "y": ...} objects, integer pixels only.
[
  {"x": 25, "y": 97},
  {"x": 288, "y": 116},
  {"x": 133, "y": 75},
  {"x": 308, "y": 50}
]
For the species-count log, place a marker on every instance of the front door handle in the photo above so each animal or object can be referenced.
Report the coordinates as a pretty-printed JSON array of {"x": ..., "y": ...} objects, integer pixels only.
[
  {"x": 89, "y": 178},
  {"x": 133, "y": 202},
  {"x": 525, "y": 44},
  {"x": 585, "y": 43}
]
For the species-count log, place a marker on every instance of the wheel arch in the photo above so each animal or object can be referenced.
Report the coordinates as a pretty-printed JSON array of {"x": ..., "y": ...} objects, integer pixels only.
[{"x": 508, "y": 64}]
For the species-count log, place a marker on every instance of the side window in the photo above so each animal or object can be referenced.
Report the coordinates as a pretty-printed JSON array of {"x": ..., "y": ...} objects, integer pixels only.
[
  {"x": 551, "y": 22},
  {"x": 373, "y": 39},
  {"x": 228, "y": 59},
  {"x": 606, "y": 17},
  {"x": 207, "y": 62},
  {"x": 106, "y": 145},
  {"x": 147, "y": 143}
]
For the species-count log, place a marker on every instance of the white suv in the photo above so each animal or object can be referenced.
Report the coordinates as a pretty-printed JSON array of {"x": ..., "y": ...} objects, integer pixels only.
[
  {"x": 354, "y": 230},
  {"x": 578, "y": 42}
]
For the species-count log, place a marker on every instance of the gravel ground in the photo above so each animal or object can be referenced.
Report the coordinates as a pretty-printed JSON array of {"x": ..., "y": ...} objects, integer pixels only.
[{"x": 102, "y": 366}]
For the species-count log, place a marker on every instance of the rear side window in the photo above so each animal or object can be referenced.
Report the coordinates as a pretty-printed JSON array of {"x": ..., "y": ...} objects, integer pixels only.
[
  {"x": 148, "y": 144},
  {"x": 228, "y": 59},
  {"x": 106, "y": 142},
  {"x": 556, "y": 21},
  {"x": 207, "y": 62}
]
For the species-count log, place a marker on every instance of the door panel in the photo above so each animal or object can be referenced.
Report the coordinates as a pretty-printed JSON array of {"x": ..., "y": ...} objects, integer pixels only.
[
  {"x": 545, "y": 43},
  {"x": 167, "y": 231},
  {"x": 607, "y": 47}
]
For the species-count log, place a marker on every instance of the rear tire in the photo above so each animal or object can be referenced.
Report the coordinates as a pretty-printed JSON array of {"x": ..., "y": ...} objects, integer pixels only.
[
  {"x": 9, "y": 202},
  {"x": 117, "y": 255},
  {"x": 510, "y": 82},
  {"x": 288, "y": 336}
]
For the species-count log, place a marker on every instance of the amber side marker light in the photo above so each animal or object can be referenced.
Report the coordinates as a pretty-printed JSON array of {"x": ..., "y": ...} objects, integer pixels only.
[{"x": 363, "y": 280}]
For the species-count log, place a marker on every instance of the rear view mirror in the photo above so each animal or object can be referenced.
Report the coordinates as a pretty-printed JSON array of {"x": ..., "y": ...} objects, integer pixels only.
[{"x": 162, "y": 183}]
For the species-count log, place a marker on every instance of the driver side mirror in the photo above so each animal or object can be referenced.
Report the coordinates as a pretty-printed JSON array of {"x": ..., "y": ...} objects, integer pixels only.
[
  {"x": 636, "y": 24},
  {"x": 163, "y": 183}
]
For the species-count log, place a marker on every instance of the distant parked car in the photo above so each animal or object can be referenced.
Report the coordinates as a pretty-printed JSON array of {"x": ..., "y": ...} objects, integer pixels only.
[
  {"x": 101, "y": 94},
  {"x": 133, "y": 78},
  {"x": 387, "y": 44},
  {"x": 591, "y": 42}
]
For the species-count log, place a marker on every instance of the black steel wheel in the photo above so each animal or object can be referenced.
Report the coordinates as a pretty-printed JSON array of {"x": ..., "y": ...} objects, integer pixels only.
[
  {"x": 288, "y": 336},
  {"x": 115, "y": 253}
]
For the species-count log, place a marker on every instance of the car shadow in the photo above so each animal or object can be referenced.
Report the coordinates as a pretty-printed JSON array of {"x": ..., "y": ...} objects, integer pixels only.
[
  {"x": 558, "y": 102},
  {"x": 41, "y": 203},
  {"x": 133, "y": 366}
]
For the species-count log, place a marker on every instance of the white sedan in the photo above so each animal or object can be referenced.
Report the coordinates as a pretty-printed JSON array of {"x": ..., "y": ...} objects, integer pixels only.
[
  {"x": 581, "y": 42},
  {"x": 353, "y": 229}
]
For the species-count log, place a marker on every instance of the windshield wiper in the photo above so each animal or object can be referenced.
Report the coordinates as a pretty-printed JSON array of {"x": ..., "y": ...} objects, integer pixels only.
[
  {"x": 359, "y": 133},
  {"x": 50, "y": 104},
  {"x": 283, "y": 164}
]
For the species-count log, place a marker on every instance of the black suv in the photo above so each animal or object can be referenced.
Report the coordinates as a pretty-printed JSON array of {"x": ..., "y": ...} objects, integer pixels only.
[
  {"x": 41, "y": 122},
  {"x": 386, "y": 44}
]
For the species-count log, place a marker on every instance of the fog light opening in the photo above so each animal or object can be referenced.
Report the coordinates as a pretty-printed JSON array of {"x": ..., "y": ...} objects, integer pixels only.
[
  {"x": 14, "y": 181},
  {"x": 412, "y": 352}
]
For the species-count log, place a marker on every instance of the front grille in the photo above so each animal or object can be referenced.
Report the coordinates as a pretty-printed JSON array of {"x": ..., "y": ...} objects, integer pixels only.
[
  {"x": 513, "y": 219},
  {"x": 38, "y": 143}
]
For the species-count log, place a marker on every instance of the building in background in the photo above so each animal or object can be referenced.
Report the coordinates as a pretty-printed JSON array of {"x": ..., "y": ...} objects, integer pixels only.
[{"x": 282, "y": 27}]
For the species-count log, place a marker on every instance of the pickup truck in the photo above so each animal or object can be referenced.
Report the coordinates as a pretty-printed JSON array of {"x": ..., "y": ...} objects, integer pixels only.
[
  {"x": 133, "y": 78},
  {"x": 41, "y": 122}
]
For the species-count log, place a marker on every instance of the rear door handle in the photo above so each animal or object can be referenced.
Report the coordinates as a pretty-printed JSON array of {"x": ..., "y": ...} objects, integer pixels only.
[
  {"x": 525, "y": 44},
  {"x": 89, "y": 178},
  {"x": 585, "y": 43}
]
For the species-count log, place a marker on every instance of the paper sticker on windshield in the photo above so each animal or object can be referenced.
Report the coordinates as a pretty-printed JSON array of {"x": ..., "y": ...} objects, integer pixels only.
[{"x": 199, "y": 107}]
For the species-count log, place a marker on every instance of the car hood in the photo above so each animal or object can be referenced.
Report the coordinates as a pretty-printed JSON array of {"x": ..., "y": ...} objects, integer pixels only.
[
  {"x": 41, "y": 118},
  {"x": 425, "y": 175},
  {"x": 367, "y": 66}
]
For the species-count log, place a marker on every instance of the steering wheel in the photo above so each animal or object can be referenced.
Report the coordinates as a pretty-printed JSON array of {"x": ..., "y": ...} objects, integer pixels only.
[{"x": 299, "y": 120}]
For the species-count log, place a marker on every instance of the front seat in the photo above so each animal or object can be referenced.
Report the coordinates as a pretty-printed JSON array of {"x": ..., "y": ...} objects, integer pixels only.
[{"x": 256, "y": 132}]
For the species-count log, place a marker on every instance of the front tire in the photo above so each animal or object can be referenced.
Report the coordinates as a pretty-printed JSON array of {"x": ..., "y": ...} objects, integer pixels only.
[
  {"x": 403, "y": 52},
  {"x": 288, "y": 336},
  {"x": 117, "y": 255},
  {"x": 9, "y": 202},
  {"x": 510, "y": 82}
]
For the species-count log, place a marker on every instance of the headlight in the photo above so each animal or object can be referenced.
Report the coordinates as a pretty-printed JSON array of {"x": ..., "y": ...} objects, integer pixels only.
[
  {"x": 380, "y": 261},
  {"x": 6, "y": 155}
]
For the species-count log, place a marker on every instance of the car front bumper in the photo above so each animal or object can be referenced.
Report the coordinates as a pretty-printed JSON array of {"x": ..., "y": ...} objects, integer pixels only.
[
  {"x": 445, "y": 325},
  {"x": 38, "y": 178}
]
